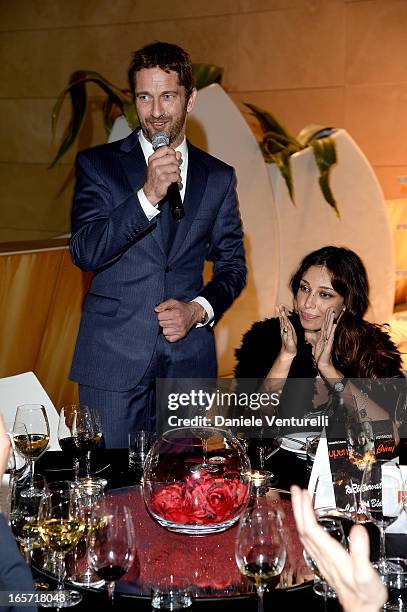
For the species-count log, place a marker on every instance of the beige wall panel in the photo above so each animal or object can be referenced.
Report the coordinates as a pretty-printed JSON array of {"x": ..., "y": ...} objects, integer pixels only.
[
  {"x": 27, "y": 288},
  {"x": 391, "y": 185},
  {"x": 22, "y": 235},
  {"x": 296, "y": 108},
  {"x": 273, "y": 5},
  {"x": 291, "y": 49},
  {"x": 377, "y": 42},
  {"x": 34, "y": 197},
  {"x": 26, "y": 135},
  {"x": 35, "y": 14},
  {"x": 54, "y": 358},
  {"x": 376, "y": 118},
  {"x": 40, "y": 62}
]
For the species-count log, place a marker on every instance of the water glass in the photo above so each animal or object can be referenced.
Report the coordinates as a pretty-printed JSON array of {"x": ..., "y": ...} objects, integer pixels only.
[
  {"x": 396, "y": 583},
  {"x": 140, "y": 443},
  {"x": 171, "y": 594}
]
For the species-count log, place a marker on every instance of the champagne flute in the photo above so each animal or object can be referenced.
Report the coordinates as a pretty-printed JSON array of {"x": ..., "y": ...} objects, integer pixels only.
[
  {"x": 31, "y": 438},
  {"x": 260, "y": 550},
  {"x": 76, "y": 432},
  {"x": 382, "y": 500},
  {"x": 95, "y": 440},
  {"x": 61, "y": 527},
  {"x": 112, "y": 549}
]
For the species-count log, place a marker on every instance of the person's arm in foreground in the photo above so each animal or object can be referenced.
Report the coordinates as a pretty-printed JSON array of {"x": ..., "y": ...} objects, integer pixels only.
[
  {"x": 356, "y": 583},
  {"x": 15, "y": 574}
]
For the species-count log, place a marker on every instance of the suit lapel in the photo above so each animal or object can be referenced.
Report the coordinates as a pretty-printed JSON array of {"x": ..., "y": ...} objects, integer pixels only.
[
  {"x": 134, "y": 166},
  {"x": 197, "y": 178}
]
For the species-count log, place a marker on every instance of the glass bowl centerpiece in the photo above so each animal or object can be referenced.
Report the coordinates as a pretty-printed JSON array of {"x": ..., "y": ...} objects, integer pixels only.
[{"x": 196, "y": 480}]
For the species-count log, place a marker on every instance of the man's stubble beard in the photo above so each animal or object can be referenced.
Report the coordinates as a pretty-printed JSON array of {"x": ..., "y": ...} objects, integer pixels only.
[{"x": 176, "y": 128}]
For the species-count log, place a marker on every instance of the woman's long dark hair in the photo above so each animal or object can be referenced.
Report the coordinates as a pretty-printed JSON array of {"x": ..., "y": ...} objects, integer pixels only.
[{"x": 360, "y": 349}]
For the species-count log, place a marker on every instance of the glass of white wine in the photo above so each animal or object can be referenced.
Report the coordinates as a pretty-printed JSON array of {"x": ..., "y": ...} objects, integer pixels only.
[
  {"x": 31, "y": 438},
  {"x": 61, "y": 526},
  {"x": 260, "y": 549}
]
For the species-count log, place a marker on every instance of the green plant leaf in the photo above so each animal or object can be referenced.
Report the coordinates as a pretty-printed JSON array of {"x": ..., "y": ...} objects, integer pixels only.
[
  {"x": 129, "y": 111},
  {"x": 79, "y": 104},
  {"x": 282, "y": 160},
  {"x": 206, "y": 74},
  {"x": 325, "y": 156},
  {"x": 77, "y": 91},
  {"x": 269, "y": 123}
]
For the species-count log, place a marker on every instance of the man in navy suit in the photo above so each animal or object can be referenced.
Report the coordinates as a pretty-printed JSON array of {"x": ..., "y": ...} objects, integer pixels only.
[{"x": 148, "y": 313}]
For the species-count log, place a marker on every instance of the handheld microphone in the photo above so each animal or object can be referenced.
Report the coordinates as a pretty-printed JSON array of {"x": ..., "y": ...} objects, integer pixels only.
[{"x": 161, "y": 139}]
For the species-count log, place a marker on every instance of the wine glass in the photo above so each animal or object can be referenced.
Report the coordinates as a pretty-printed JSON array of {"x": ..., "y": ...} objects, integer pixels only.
[
  {"x": 260, "y": 550},
  {"x": 112, "y": 548},
  {"x": 262, "y": 448},
  {"x": 61, "y": 527},
  {"x": 382, "y": 500},
  {"x": 76, "y": 433},
  {"x": 334, "y": 498},
  {"x": 24, "y": 517},
  {"x": 334, "y": 528},
  {"x": 31, "y": 438},
  {"x": 400, "y": 416}
]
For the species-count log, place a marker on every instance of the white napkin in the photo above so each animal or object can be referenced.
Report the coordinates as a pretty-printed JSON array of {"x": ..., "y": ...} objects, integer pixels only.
[{"x": 325, "y": 497}]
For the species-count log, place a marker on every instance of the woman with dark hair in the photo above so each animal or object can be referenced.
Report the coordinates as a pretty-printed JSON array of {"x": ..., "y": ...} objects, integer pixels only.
[{"x": 325, "y": 336}]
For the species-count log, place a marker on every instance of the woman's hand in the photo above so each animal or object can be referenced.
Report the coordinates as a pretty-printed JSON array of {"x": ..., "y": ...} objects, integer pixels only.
[
  {"x": 322, "y": 351},
  {"x": 288, "y": 335},
  {"x": 356, "y": 583}
]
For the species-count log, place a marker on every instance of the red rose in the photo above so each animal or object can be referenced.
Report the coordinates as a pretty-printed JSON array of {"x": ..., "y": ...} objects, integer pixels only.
[
  {"x": 201, "y": 499},
  {"x": 220, "y": 498}
]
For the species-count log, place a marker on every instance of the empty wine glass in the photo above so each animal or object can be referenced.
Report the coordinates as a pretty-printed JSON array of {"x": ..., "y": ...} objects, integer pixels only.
[
  {"x": 333, "y": 498},
  {"x": 400, "y": 416},
  {"x": 31, "y": 438},
  {"x": 76, "y": 433},
  {"x": 382, "y": 500},
  {"x": 112, "y": 548},
  {"x": 262, "y": 448},
  {"x": 334, "y": 528},
  {"x": 260, "y": 547},
  {"x": 61, "y": 527}
]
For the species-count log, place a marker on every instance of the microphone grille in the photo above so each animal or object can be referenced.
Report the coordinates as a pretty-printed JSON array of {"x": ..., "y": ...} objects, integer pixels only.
[{"x": 160, "y": 139}]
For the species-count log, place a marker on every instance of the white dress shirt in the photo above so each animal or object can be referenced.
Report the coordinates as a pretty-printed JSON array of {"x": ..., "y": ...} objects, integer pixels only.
[{"x": 152, "y": 211}]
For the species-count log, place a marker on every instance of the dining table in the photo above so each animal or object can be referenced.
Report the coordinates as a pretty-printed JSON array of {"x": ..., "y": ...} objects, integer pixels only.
[{"x": 124, "y": 483}]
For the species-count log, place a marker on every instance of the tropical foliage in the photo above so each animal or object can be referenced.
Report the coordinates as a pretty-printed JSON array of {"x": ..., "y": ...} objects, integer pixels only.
[{"x": 278, "y": 145}]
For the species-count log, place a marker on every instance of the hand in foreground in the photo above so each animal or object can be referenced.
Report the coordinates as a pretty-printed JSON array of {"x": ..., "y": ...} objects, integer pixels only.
[
  {"x": 176, "y": 318},
  {"x": 287, "y": 331},
  {"x": 162, "y": 170},
  {"x": 356, "y": 583},
  {"x": 5, "y": 448}
]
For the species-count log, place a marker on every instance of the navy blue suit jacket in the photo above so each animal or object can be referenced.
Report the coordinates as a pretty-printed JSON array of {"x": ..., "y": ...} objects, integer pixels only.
[{"x": 112, "y": 237}]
